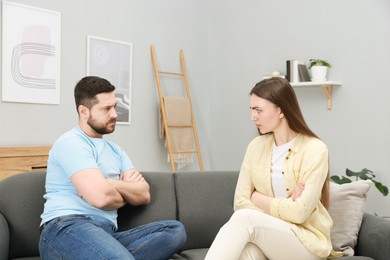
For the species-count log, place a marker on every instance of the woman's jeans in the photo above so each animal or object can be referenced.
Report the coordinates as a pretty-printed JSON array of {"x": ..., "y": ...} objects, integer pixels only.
[{"x": 83, "y": 237}]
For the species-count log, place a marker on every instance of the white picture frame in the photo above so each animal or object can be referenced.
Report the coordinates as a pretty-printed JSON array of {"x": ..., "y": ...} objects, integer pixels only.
[
  {"x": 112, "y": 60},
  {"x": 31, "y": 46}
]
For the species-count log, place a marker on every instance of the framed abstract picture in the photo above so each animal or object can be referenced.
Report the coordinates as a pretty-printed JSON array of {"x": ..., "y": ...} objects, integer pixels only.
[
  {"x": 31, "y": 46},
  {"x": 112, "y": 60}
]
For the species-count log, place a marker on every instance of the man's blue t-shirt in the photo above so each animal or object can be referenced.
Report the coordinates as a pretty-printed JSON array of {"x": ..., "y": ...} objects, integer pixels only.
[{"x": 72, "y": 152}]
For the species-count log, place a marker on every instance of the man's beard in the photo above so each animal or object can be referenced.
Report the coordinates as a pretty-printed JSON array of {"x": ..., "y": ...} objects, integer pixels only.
[{"x": 101, "y": 128}]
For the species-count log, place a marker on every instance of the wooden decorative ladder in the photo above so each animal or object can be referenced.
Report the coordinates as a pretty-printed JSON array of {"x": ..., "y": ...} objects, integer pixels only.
[{"x": 183, "y": 75}]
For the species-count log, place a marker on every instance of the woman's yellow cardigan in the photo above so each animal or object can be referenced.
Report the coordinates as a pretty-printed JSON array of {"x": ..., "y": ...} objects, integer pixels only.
[{"x": 307, "y": 162}]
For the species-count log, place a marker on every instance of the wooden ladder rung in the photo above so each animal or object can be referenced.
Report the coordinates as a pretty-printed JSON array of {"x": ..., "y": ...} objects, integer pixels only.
[
  {"x": 187, "y": 151},
  {"x": 180, "y": 126},
  {"x": 171, "y": 73}
]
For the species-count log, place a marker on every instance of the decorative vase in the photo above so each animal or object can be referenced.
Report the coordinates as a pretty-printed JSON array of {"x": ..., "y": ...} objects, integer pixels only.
[{"x": 318, "y": 73}]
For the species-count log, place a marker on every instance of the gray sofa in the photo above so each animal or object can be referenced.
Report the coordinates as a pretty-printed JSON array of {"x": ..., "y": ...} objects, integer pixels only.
[{"x": 201, "y": 201}]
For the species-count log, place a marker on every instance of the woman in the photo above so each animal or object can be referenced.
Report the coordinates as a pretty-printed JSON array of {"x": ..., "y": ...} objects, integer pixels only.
[{"x": 282, "y": 192}]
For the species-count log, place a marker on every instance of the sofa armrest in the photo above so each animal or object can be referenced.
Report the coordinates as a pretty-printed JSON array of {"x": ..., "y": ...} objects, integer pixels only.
[
  {"x": 4, "y": 238},
  {"x": 374, "y": 237}
]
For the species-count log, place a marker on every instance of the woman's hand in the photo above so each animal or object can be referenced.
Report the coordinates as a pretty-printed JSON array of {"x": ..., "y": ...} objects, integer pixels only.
[
  {"x": 297, "y": 191},
  {"x": 262, "y": 201}
]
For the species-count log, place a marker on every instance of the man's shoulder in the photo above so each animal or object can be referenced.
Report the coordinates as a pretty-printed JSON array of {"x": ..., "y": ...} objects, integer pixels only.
[
  {"x": 70, "y": 140},
  {"x": 114, "y": 147},
  {"x": 73, "y": 133}
]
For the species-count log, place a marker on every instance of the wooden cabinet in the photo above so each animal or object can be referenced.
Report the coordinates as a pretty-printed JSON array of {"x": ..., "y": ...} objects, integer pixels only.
[{"x": 18, "y": 159}]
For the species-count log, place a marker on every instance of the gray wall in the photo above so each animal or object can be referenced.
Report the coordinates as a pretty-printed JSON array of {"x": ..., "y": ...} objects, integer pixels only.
[
  {"x": 228, "y": 46},
  {"x": 250, "y": 39},
  {"x": 169, "y": 25}
]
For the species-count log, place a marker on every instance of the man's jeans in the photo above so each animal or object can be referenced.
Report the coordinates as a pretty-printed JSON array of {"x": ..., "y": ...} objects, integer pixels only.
[{"x": 81, "y": 237}]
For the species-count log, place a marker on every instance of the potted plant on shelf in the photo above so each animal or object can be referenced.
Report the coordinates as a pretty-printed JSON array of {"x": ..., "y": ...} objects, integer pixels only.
[{"x": 319, "y": 69}]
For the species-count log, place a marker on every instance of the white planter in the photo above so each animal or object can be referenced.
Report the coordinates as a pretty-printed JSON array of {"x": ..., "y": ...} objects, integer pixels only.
[{"x": 318, "y": 73}]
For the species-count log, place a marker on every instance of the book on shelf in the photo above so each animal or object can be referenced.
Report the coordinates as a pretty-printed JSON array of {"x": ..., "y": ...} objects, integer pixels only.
[
  {"x": 303, "y": 73},
  {"x": 292, "y": 70}
]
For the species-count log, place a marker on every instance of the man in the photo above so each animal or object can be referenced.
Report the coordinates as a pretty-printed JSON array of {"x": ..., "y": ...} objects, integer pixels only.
[{"x": 88, "y": 179}]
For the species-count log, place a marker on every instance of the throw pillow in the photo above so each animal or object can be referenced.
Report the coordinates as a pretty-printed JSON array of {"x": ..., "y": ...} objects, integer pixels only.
[{"x": 347, "y": 203}]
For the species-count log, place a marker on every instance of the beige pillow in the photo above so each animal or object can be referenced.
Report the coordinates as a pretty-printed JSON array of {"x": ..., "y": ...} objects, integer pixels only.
[{"x": 347, "y": 203}]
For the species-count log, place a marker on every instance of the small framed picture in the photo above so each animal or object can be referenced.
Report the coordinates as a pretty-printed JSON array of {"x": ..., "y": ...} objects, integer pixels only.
[{"x": 112, "y": 60}]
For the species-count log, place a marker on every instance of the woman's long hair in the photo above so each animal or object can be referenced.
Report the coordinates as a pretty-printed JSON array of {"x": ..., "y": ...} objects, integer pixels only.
[{"x": 279, "y": 92}]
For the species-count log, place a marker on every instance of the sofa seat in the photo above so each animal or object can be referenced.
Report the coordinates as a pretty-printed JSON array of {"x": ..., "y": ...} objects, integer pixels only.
[{"x": 202, "y": 201}]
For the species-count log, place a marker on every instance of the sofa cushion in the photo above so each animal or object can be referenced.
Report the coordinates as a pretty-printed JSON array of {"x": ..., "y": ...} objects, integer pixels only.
[
  {"x": 205, "y": 204},
  {"x": 347, "y": 203},
  {"x": 199, "y": 253},
  {"x": 4, "y": 241},
  {"x": 177, "y": 257},
  {"x": 162, "y": 205},
  {"x": 374, "y": 237},
  {"x": 23, "y": 222},
  {"x": 355, "y": 258}
]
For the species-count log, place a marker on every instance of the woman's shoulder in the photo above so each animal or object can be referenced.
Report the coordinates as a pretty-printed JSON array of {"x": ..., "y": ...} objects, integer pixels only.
[
  {"x": 312, "y": 143},
  {"x": 261, "y": 140}
]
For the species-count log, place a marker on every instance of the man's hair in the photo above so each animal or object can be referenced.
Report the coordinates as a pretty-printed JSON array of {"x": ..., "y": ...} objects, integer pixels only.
[{"x": 88, "y": 87}]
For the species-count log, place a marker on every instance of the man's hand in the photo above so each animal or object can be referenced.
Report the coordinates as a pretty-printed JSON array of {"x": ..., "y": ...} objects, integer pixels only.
[
  {"x": 131, "y": 175},
  {"x": 132, "y": 186}
]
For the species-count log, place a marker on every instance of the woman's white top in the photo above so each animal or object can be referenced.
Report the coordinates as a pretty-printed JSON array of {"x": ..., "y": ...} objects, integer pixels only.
[{"x": 279, "y": 154}]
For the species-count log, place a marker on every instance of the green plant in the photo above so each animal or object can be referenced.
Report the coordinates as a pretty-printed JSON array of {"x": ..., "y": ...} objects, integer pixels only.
[
  {"x": 364, "y": 174},
  {"x": 319, "y": 62}
]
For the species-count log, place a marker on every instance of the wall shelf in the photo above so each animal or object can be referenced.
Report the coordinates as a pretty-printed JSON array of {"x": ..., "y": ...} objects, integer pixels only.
[{"x": 327, "y": 87}]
